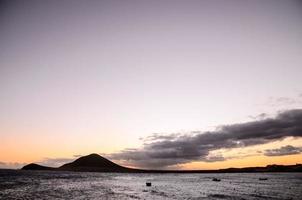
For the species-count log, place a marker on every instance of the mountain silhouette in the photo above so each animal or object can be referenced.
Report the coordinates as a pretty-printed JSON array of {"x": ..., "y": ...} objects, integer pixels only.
[
  {"x": 34, "y": 166},
  {"x": 93, "y": 162}
]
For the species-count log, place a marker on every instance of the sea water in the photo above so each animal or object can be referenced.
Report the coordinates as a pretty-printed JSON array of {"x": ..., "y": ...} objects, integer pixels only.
[{"x": 18, "y": 184}]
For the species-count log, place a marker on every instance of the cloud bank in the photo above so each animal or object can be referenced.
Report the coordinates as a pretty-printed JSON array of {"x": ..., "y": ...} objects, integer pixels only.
[
  {"x": 165, "y": 150},
  {"x": 283, "y": 151}
]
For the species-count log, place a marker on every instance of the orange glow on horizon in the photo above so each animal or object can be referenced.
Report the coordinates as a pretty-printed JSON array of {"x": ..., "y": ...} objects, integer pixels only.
[{"x": 254, "y": 161}]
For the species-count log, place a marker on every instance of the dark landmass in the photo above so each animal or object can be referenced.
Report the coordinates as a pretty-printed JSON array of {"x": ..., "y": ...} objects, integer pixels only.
[
  {"x": 97, "y": 163},
  {"x": 93, "y": 163},
  {"x": 34, "y": 166}
]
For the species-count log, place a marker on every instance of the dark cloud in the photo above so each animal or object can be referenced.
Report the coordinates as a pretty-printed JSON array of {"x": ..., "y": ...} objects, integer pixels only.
[
  {"x": 158, "y": 136},
  {"x": 259, "y": 117},
  {"x": 215, "y": 158},
  {"x": 283, "y": 151},
  {"x": 286, "y": 100},
  {"x": 162, "y": 151}
]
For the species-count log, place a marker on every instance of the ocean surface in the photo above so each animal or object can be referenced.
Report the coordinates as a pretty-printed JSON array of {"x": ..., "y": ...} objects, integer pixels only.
[{"x": 17, "y": 184}]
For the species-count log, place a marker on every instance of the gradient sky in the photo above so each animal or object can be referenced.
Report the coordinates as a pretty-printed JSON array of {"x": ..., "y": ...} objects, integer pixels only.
[{"x": 78, "y": 77}]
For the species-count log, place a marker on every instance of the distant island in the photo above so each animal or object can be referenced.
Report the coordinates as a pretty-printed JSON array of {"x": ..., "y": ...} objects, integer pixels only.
[{"x": 97, "y": 163}]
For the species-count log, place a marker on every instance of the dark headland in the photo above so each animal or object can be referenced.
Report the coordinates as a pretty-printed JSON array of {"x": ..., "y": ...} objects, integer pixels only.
[{"x": 97, "y": 163}]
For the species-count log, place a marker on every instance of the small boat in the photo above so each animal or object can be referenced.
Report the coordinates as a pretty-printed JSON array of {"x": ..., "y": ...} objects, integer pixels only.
[
  {"x": 148, "y": 184},
  {"x": 262, "y": 179},
  {"x": 216, "y": 179}
]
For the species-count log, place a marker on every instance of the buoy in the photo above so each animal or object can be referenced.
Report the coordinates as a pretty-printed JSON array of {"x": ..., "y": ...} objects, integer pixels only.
[{"x": 148, "y": 184}]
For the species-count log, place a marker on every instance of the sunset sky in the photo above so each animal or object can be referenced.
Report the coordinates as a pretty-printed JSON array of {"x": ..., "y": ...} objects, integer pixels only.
[{"x": 152, "y": 84}]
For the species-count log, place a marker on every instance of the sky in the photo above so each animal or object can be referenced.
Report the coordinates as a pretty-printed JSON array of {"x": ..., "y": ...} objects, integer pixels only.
[{"x": 152, "y": 84}]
